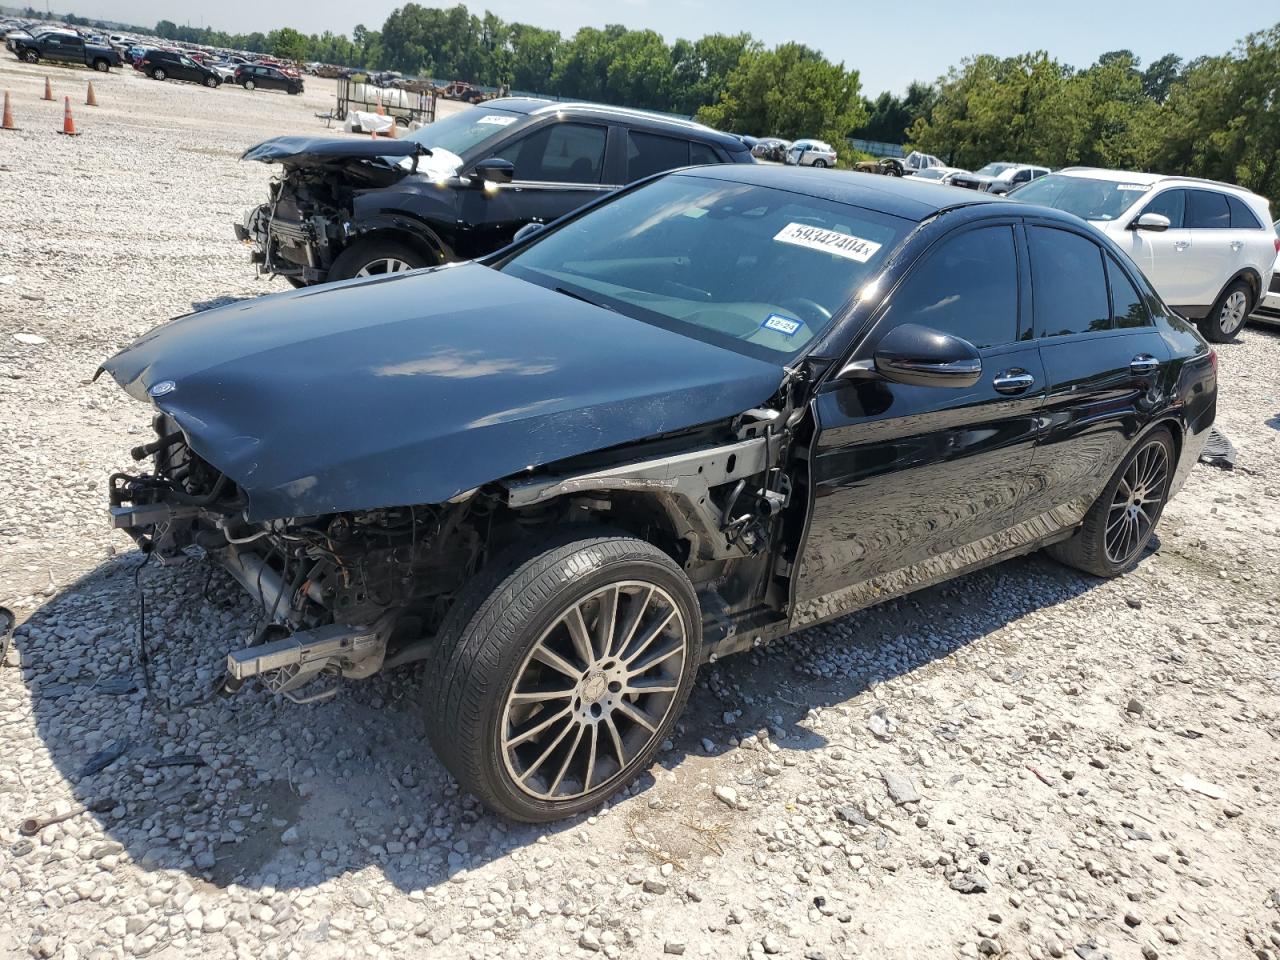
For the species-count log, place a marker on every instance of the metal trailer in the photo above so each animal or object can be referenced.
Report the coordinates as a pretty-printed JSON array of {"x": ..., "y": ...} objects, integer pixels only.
[{"x": 409, "y": 101}]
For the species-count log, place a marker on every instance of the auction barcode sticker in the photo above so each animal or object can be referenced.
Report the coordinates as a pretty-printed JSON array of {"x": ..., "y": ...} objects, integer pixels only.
[
  {"x": 496, "y": 120},
  {"x": 1133, "y": 187},
  {"x": 828, "y": 241}
]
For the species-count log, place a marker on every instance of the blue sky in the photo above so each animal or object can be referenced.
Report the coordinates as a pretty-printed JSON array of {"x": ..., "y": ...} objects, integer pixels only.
[{"x": 890, "y": 43}]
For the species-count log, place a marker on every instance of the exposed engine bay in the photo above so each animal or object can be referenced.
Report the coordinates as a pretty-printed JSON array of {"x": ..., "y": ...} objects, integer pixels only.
[
  {"x": 307, "y": 220},
  {"x": 344, "y": 595}
]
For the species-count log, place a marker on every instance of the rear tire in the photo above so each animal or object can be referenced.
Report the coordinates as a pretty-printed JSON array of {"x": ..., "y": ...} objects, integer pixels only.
[
  {"x": 537, "y": 720},
  {"x": 819, "y": 164},
  {"x": 376, "y": 257},
  {"x": 158, "y": 74},
  {"x": 101, "y": 65},
  {"x": 1229, "y": 314},
  {"x": 248, "y": 84},
  {"x": 1107, "y": 544}
]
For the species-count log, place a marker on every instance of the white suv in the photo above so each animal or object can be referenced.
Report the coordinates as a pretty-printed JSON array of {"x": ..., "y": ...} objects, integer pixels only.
[
  {"x": 1206, "y": 246},
  {"x": 811, "y": 153}
]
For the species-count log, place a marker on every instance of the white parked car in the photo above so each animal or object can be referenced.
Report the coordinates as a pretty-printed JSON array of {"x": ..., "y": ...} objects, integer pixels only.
[
  {"x": 1208, "y": 248},
  {"x": 1268, "y": 308},
  {"x": 938, "y": 174},
  {"x": 999, "y": 178},
  {"x": 916, "y": 162},
  {"x": 811, "y": 153}
]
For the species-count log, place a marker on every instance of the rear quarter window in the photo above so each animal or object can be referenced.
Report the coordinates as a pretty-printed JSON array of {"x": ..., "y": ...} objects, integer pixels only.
[
  {"x": 1242, "y": 218},
  {"x": 1207, "y": 210}
]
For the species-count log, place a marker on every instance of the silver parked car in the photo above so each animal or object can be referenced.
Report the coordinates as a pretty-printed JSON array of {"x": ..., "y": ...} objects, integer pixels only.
[{"x": 811, "y": 153}]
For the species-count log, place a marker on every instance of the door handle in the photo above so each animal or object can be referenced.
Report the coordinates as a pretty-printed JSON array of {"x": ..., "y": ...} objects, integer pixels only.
[
  {"x": 1144, "y": 364},
  {"x": 1016, "y": 380},
  {"x": 1181, "y": 244}
]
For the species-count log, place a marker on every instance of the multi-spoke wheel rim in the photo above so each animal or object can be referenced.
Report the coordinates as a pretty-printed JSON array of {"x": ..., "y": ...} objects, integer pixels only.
[
  {"x": 384, "y": 265},
  {"x": 1135, "y": 508},
  {"x": 1233, "y": 312},
  {"x": 594, "y": 691}
]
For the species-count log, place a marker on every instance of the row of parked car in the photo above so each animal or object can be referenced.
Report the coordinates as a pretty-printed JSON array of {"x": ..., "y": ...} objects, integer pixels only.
[
  {"x": 160, "y": 64},
  {"x": 705, "y": 409},
  {"x": 34, "y": 43},
  {"x": 1210, "y": 248}
]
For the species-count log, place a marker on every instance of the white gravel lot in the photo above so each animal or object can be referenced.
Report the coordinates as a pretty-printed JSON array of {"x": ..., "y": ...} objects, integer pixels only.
[{"x": 1025, "y": 762}]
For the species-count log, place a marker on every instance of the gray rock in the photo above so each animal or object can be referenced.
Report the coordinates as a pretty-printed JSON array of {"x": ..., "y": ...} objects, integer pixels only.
[
  {"x": 901, "y": 790},
  {"x": 975, "y": 881}
]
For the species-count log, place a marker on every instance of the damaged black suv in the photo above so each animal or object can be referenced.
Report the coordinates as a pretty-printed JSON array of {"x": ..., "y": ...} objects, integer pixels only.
[
  {"x": 458, "y": 188},
  {"x": 716, "y": 407}
]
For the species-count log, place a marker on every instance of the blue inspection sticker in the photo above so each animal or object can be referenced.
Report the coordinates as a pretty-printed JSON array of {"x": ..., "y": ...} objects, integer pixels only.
[{"x": 787, "y": 326}]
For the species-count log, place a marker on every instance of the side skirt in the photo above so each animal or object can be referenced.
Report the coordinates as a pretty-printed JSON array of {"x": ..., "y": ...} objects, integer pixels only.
[{"x": 1025, "y": 538}]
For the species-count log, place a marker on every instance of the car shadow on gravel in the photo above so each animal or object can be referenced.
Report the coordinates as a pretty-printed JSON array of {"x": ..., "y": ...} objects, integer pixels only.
[{"x": 259, "y": 792}]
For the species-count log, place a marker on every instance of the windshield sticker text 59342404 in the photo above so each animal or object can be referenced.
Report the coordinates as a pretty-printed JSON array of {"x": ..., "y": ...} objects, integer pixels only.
[{"x": 828, "y": 241}]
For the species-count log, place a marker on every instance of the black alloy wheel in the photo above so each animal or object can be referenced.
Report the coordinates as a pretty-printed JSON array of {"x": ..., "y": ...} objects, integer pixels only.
[{"x": 1121, "y": 522}]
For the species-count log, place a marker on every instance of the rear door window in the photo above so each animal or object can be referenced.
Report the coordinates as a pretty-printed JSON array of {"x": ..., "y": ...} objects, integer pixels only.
[
  {"x": 1207, "y": 210},
  {"x": 649, "y": 153},
  {"x": 559, "y": 153},
  {"x": 1068, "y": 285},
  {"x": 1168, "y": 204},
  {"x": 700, "y": 153},
  {"x": 967, "y": 287}
]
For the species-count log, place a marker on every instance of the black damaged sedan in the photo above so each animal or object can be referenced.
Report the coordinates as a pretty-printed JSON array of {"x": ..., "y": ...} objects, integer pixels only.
[{"x": 713, "y": 408}]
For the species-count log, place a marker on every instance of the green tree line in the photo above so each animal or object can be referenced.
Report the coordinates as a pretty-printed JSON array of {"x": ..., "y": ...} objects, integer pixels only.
[{"x": 1216, "y": 116}]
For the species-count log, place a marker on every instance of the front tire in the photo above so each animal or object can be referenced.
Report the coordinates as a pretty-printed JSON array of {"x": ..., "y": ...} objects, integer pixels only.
[
  {"x": 560, "y": 671},
  {"x": 31, "y": 56},
  {"x": 375, "y": 258},
  {"x": 1123, "y": 519},
  {"x": 1229, "y": 313},
  {"x": 211, "y": 82}
]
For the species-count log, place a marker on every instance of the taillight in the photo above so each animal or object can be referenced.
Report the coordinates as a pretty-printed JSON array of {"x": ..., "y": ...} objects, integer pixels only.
[
  {"x": 1277, "y": 243},
  {"x": 1213, "y": 361}
]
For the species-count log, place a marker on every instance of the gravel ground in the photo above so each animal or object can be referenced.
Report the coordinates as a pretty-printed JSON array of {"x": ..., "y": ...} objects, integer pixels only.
[{"x": 1025, "y": 762}]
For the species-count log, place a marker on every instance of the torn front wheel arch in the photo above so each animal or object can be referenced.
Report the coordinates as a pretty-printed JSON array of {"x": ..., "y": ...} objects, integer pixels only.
[{"x": 684, "y": 485}]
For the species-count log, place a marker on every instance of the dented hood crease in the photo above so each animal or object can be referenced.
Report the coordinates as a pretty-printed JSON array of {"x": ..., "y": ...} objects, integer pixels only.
[
  {"x": 414, "y": 389},
  {"x": 302, "y": 150}
]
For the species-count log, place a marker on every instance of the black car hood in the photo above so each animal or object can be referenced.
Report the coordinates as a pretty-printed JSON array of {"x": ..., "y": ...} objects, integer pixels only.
[
  {"x": 416, "y": 388},
  {"x": 328, "y": 149}
]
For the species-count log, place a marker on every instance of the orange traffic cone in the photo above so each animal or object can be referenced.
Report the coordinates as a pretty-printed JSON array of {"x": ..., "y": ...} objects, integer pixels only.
[
  {"x": 48, "y": 90},
  {"x": 7, "y": 123},
  {"x": 68, "y": 125},
  {"x": 90, "y": 100}
]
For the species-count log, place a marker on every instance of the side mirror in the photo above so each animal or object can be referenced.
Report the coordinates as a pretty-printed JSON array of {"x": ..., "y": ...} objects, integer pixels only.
[
  {"x": 1155, "y": 222},
  {"x": 528, "y": 230},
  {"x": 495, "y": 170},
  {"x": 920, "y": 357}
]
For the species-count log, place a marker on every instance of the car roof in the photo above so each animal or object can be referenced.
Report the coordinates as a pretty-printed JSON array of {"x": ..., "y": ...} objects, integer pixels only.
[
  {"x": 534, "y": 106},
  {"x": 1148, "y": 179},
  {"x": 897, "y": 196}
]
